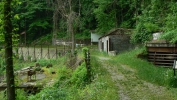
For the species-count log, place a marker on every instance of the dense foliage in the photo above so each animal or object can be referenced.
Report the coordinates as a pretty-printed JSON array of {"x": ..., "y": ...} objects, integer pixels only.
[
  {"x": 35, "y": 19},
  {"x": 156, "y": 16}
]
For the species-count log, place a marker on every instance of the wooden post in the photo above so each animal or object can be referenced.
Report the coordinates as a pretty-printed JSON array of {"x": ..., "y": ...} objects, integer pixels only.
[
  {"x": 41, "y": 51},
  {"x": 174, "y": 67},
  {"x": 48, "y": 53},
  {"x": 56, "y": 52},
  {"x": 21, "y": 52},
  {"x": 87, "y": 61},
  {"x": 34, "y": 53},
  {"x": 28, "y": 52},
  {"x": 64, "y": 49},
  {"x": 155, "y": 58}
]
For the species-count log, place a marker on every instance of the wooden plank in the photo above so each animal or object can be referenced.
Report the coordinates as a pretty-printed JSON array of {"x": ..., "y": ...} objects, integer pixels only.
[
  {"x": 160, "y": 45},
  {"x": 161, "y": 57},
  {"x": 163, "y": 63},
  {"x": 162, "y": 49},
  {"x": 161, "y": 60},
  {"x": 162, "y": 54},
  {"x": 22, "y": 87}
]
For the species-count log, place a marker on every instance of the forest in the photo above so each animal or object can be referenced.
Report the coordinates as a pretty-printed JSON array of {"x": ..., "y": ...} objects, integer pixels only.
[{"x": 59, "y": 18}]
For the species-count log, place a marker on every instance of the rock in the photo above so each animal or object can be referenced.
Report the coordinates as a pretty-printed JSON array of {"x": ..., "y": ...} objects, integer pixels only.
[{"x": 49, "y": 65}]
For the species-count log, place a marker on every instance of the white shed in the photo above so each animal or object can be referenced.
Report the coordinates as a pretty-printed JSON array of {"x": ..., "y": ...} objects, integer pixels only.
[{"x": 95, "y": 38}]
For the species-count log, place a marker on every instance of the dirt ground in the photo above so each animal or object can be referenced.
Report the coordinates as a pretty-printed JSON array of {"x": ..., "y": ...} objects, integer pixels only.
[{"x": 130, "y": 87}]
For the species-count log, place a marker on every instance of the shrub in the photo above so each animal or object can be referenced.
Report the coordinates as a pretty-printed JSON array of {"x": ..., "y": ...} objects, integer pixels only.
[
  {"x": 45, "y": 62},
  {"x": 21, "y": 94},
  {"x": 2, "y": 66},
  {"x": 50, "y": 93},
  {"x": 79, "y": 77},
  {"x": 84, "y": 50}
]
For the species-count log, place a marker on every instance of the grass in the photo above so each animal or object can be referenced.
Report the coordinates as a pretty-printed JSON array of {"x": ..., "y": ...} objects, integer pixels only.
[
  {"x": 145, "y": 70},
  {"x": 73, "y": 85}
]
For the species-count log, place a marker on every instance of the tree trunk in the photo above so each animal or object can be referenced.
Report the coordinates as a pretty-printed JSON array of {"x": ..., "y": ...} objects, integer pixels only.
[
  {"x": 8, "y": 51},
  {"x": 55, "y": 23},
  {"x": 73, "y": 42}
]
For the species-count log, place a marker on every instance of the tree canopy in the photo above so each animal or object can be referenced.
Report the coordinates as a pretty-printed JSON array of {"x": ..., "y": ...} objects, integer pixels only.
[{"x": 38, "y": 18}]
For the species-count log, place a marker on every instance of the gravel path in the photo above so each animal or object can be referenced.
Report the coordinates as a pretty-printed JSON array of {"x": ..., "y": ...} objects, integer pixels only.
[
  {"x": 130, "y": 87},
  {"x": 116, "y": 76}
]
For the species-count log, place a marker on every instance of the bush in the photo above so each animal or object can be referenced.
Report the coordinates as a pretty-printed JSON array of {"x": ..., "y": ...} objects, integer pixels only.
[
  {"x": 21, "y": 94},
  {"x": 73, "y": 85},
  {"x": 45, "y": 62},
  {"x": 50, "y": 93},
  {"x": 79, "y": 77}
]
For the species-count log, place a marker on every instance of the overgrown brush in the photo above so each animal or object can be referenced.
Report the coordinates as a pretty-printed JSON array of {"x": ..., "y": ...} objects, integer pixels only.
[{"x": 74, "y": 85}]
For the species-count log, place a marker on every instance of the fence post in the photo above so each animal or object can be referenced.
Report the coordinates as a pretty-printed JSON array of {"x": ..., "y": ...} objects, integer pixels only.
[
  {"x": 64, "y": 49},
  {"x": 87, "y": 60},
  {"x": 174, "y": 67},
  {"x": 48, "y": 53},
  {"x": 41, "y": 51},
  {"x": 34, "y": 53},
  {"x": 56, "y": 52},
  {"x": 22, "y": 53},
  {"x": 28, "y": 54}
]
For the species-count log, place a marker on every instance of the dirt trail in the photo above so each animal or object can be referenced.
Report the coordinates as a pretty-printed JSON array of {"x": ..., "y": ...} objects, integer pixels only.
[{"x": 130, "y": 87}]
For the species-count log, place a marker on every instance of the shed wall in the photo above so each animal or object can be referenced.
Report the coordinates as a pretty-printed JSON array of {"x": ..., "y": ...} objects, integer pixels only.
[{"x": 118, "y": 43}]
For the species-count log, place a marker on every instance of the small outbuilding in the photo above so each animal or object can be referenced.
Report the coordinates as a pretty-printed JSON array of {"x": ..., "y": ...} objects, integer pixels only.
[
  {"x": 161, "y": 52},
  {"x": 116, "y": 41},
  {"x": 94, "y": 38}
]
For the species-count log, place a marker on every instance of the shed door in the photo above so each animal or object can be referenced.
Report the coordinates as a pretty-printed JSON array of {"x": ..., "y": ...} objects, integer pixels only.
[
  {"x": 110, "y": 45},
  {"x": 102, "y": 45},
  {"x": 107, "y": 45}
]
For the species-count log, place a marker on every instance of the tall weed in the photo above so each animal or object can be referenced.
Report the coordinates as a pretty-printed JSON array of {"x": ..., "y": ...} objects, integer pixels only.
[
  {"x": 74, "y": 85},
  {"x": 79, "y": 76}
]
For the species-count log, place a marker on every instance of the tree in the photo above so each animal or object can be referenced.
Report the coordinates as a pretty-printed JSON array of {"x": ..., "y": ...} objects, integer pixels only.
[
  {"x": 66, "y": 10},
  {"x": 105, "y": 15},
  {"x": 87, "y": 19},
  {"x": 170, "y": 23},
  {"x": 114, "y": 13},
  {"x": 7, "y": 25},
  {"x": 35, "y": 18},
  {"x": 155, "y": 16}
]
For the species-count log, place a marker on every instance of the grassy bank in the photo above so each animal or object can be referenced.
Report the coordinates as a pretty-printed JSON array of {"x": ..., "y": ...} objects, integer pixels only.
[
  {"x": 73, "y": 84},
  {"x": 138, "y": 73},
  {"x": 145, "y": 70}
]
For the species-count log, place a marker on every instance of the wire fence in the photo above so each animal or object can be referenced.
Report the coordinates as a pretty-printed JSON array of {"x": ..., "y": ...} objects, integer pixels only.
[{"x": 35, "y": 52}]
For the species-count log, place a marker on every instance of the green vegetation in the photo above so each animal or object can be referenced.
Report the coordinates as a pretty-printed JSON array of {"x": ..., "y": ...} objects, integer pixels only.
[
  {"x": 156, "y": 16},
  {"x": 74, "y": 86},
  {"x": 39, "y": 19},
  {"x": 145, "y": 70},
  {"x": 45, "y": 19},
  {"x": 139, "y": 77}
]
